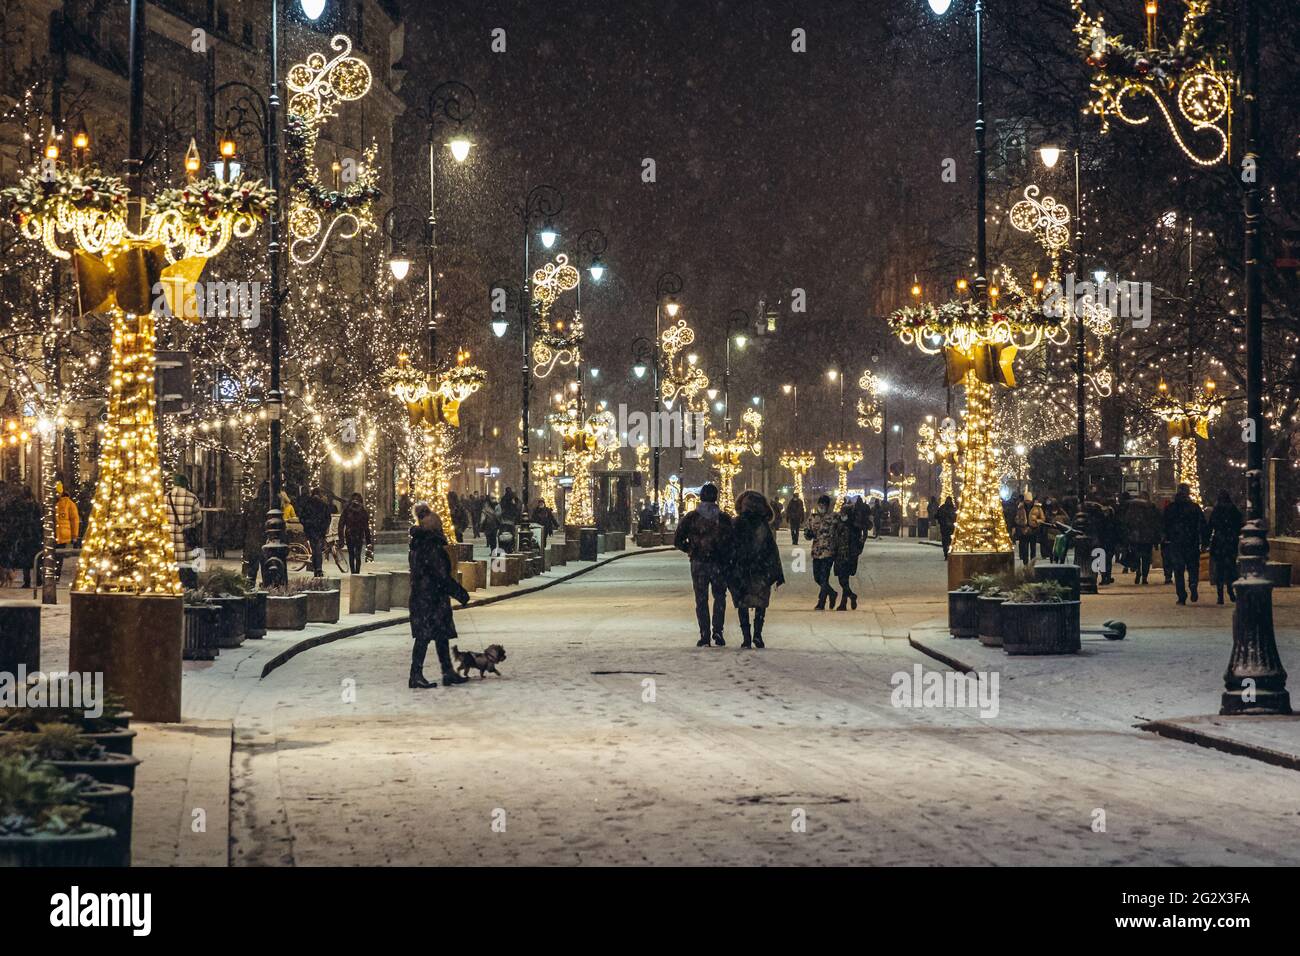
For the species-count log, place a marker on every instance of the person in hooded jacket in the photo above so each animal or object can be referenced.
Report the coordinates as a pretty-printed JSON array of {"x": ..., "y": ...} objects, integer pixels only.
[
  {"x": 846, "y": 546},
  {"x": 1225, "y": 533},
  {"x": 755, "y": 564},
  {"x": 821, "y": 524},
  {"x": 354, "y": 530},
  {"x": 705, "y": 534},
  {"x": 432, "y": 588},
  {"x": 1184, "y": 524},
  {"x": 794, "y": 515}
]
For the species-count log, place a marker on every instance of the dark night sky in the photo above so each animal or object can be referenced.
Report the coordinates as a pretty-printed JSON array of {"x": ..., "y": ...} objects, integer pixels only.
[{"x": 775, "y": 170}]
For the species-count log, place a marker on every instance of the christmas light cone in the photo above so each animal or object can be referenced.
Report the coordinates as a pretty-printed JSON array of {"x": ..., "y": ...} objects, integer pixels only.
[{"x": 128, "y": 547}]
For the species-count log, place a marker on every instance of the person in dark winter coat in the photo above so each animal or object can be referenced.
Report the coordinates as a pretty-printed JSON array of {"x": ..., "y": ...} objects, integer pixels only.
[
  {"x": 354, "y": 530},
  {"x": 861, "y": 515},
  {"x": 778, "y": 513},
  {"x": 315, "y": 511},
  {"x": 821, "y": 524},
  {"x": 794, "y": 516},
  {"x": 544, "y": 520},
  {"x": 1184, "y": 524},
  {"x": 510, "y": 508},
  {"x": 1140, "y": 529},
  {"x": 947, "y": 518},
  {"x": 755, "y": 564},
  {"x": 1225, "y": 533},
  {"x": 21, "y": 534},
  {"x": 846, "y": 546},
  {"x": 705, "y": 534},
  {"x": 490, "y": 521},
  {"x": 432, "y": 588}
]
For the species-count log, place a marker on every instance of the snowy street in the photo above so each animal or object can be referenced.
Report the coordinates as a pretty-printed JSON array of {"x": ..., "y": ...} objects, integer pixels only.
[{"x": 612, "y": 739}]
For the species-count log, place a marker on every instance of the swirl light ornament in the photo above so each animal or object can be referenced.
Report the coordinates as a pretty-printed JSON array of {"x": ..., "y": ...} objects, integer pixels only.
[
  {"x": 940, "y": 445},
  {"x": 798, "y": 463},
  {"x": 553, "y": 344},
  {"x": 1188, "y": 73},
  {"x": 682, "y": 378},
  {"x": 1047, "y": 219},
  {"x": 317, "y": 87},
  {"x": 870, "y": 413},
  {"x": 843, "y": 455}
]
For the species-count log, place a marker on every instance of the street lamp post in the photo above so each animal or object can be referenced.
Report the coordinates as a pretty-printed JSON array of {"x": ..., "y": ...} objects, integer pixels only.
[
  {"x": 545, "y": 203},
  {"x": 451, "y": 103},
  {"x": 1255, "y": 681},
  {"x": 882, "y": 389},
  {"x": 667, "y": 287},
  {"x": 591, "y": 246},
  {"x": 735, "y": 317}
]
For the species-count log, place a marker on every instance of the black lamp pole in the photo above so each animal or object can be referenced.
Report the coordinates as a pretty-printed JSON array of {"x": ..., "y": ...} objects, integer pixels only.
[
  {"x": 1255, "y": 681},
  {"x": 545, "y": 203},
  {"x": 735, "y": 317},
  {"x": 591, "y": 245}
]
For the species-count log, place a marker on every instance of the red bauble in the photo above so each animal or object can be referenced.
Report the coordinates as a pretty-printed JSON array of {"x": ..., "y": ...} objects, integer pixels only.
[{"x": 1143, "y": 65}]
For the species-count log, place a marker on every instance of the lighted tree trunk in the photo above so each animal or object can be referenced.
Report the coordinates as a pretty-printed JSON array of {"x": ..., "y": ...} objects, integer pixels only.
[
  {"x": 433, "y": 480},
  {"x": 127, "y": 547},
  {"x": 981, "y": 527}
]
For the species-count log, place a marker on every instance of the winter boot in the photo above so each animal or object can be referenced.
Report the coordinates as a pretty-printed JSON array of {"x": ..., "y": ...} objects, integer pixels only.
[
  {"x": 718, "y": 641},
  {"x": 844, "y": 601},
  {"x": 1195, "y": 597},
  {"x": 703, "y": 641},
  {"x": 745, "y": 634},
  {"x": 449, "y": 675},
  {"x": 416, "y": 681},
  {"x": 1220, "y": 596},
  {"x": 853, "y": 600}
]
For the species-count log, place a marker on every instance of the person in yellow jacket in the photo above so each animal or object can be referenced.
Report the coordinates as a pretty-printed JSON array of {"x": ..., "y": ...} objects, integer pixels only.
[{"x": 67, "y": 520}]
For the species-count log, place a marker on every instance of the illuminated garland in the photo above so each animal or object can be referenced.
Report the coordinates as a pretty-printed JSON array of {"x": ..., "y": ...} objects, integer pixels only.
[
  {"x": 43, "y": 191},
  {"x": 681, "y": 378},
  {"x": 1192, "y": 72},
  {"x": 201, "y": 204},
  {"x": 726, "y": 454},
  {"x": 870, "y": 414},
  {"x": 940, "y": 446}
]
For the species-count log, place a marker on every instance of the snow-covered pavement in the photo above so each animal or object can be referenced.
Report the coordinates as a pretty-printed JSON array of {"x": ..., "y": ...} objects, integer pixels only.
[{"x": 612, "y": 739}]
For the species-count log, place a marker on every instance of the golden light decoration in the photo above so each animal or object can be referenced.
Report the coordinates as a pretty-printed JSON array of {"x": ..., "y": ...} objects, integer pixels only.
[
  {"x": 798, "y": 463},
  {"x": 128, "y": 546},
  {"x": 438, "y": 465},
  {"x": 843, "y": 455},
  {"x": 548, "y": 471},
  {"x": 940, "y": 445},
  {"x": 682, "y": 378},
  {"x": 437, "y": 398},
  {"x": 726, "y": 452},
  {"x": 553, "y": 343},
  {"x": 583, "y": 443},
  {"x": 1047, "y": 219},
  {"x": 345, "y": 460},
  {"x": 643, "y": 458},
  {"x": 317, "y": 87},
  {"x": 1185, "y": 73},
  {"x": 1188, "y": 420},
  {"x": 870, "y": 413}
]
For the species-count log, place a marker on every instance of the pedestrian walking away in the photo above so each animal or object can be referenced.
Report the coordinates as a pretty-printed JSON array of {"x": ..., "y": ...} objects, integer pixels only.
[
  {"x": 1185, "y": 530},
  {"x": 354, "y": 527},
  {"x": 705, "y": 535},
  {"x": 755, "y": 565},
  {"x": 846, "y": 546},
  {"x": 794, "y": 516},
  {"x": 947, "y": 519},
  {"x": 432, "y": 588},
  {"x": 1225, "y": 533}
]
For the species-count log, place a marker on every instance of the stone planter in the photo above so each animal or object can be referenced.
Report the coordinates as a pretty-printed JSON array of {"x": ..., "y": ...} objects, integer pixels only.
[
  {"x": 963, "y": 613},
  {"x": 286, "y": 613},
  {"x": 990, "y": 619},
  {"x": 571, "y": 549},
  {"x": 202, "y": 630},
  {"x": 112, "y": 806},
  {"x": 117, "y": 769},
  {"x": 556, "y": 549},
  {"x": 400, "y": 588},
  {"x": 20, "y": 637},
  {"x": 361, "y": 594},
  {"x": 647, "y": 539},
  {"x": 256, "y": 625},
  {"x": 95, "y": 847},
  {"x": 384, "y": 590},
  {"x": 234, "y": 620},
  {"x": 1279, "y": 572},
  {"x": 114, "y": 741},
  {"x": 1040, "y": 628},
  {"x": 322, "y": 607}
]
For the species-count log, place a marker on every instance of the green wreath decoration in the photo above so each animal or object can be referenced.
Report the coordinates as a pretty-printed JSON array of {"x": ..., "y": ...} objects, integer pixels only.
[
  {"x": 1203, "y": 43},
  {"x": 205, "y": 200},
  {"x": 43, "y": 191},
  {"x": 300, "y": 148}
]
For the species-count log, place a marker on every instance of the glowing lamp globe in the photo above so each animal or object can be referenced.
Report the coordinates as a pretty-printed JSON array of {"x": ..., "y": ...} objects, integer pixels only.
[
  {"x": 460, "y": 149},
  {"x": 312, "y": 9},
  {"x": 499, "y": 327},
  {"x": 399, "y": 266}
]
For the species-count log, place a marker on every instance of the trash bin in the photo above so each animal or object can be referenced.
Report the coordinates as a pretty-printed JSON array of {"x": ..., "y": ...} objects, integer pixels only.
[{"x": 588, "y": 541}]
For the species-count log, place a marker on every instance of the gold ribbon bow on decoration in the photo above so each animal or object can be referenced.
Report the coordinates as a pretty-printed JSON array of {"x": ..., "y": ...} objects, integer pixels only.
[
  {"x": 433, "y": 409},
  {"x": 580, "y": 441},
  {"x": 126, "y": 279},
  {"x": 1193, "y": 425},
  {"x": 992, "y": 364}
]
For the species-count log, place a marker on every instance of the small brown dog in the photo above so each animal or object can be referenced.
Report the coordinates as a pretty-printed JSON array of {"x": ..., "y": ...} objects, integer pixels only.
[{"x": 487, "y": 661}]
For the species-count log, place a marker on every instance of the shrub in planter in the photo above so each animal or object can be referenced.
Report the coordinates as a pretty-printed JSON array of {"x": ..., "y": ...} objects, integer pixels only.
[
  {"x": 1040, "y": 619},
  {"x": 43, "y": 820},
  {"x": 990, "y": 617},
  {"x": 285, "y": 610},
  {"x": 107, "y": 729},
  {"x": 229, "y": 591},
  {"x": 322, "y": 601},
  {"x": 67, "y": 749}
]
